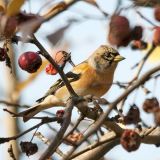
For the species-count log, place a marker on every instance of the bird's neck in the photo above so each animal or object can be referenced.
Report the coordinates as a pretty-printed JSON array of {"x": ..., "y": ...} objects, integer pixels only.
[{"x": 109, "y": 70}]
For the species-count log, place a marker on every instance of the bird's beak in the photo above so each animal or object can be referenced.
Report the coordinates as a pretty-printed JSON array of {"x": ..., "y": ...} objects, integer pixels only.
[{"x": 118, "y": 58}]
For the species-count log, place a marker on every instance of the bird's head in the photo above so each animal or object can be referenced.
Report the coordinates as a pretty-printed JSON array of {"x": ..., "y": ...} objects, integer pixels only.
[{"x": 104, "y": 58}]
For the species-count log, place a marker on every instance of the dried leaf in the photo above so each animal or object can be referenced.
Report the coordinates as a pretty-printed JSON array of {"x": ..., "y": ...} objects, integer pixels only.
[
  {"x": 93, "y": 2},
  {"x": 30, "y": 27},
  {"x": 54, "y": 10},
  {"x": 24, "y": 17},
  {"x": 56, "y": 36},
  {"x": 14, "y": 7},
  {"x": 2, "y": 6},
  {"x": 29, "y": 148},
  {"x": 74, "y": 138}
]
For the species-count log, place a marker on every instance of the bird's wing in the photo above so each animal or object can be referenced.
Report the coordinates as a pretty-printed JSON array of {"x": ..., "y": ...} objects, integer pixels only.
[{"x": 59, "y": 83}]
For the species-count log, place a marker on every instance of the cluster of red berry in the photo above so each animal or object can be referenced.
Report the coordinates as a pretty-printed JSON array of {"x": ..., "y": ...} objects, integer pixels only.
[
  {"x": 60, "y": 114},
  {"x": 156, "y": 36},
  {"x": 3, "y": 54},
  {"x": 120, "y": 32},
  {"x": 130, "y": 140},
  {"x": 31, "y": 61}
]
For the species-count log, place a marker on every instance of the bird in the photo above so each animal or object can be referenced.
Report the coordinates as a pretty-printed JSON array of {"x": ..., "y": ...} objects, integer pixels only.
[{"x": 94, "y": 76}]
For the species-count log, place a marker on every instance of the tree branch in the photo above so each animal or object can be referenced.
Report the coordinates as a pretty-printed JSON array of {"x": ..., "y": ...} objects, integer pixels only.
[
  {"x": 58, "y": 138},
  {"x": 103, "y": 117},
  {"x": 52, "y": 61}
]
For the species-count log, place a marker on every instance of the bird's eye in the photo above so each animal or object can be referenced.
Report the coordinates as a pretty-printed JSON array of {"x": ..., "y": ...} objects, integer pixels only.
[{"x": 108, "y": 57}]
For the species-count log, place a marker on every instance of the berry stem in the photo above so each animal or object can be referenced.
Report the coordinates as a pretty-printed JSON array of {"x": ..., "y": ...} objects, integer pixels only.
[{"x": 51, "y": 60}]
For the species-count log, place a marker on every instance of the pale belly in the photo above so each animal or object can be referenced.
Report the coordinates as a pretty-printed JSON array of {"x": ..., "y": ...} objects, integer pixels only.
[{"x": 96, "y": 90}]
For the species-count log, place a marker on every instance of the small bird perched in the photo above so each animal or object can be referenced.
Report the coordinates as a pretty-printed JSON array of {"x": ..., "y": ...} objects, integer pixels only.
[{"x": 93, "y": 76}]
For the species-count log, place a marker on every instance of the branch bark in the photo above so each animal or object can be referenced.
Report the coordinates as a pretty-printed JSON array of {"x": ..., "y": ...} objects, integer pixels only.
[
  {"x": 113, "y": 105},
  {"x": 57, "y": 140}
]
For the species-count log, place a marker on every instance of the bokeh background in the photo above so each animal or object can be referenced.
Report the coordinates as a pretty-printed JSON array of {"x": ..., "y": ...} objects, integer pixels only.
[{"x": 88, "y": 30}]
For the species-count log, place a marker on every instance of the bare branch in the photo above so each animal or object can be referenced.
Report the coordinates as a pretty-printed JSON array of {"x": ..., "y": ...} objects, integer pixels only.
[
  {"x": 58, "y": 138},
  {"x": 52, "y": 61},
  {"x": 44, "y": 121},
  {"x": 103, "y": 117}
]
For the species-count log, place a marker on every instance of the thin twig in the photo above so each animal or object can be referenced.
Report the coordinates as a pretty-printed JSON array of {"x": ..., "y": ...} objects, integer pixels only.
[
  {"x": 141, "y": 64},
  {"x": 48, "y": 120},
  {"x": 102, "y": 118},
  {"x": 94, "y": 145},
  {"x": 52, "y": 61},
  {"x": 58, "y": 138},
  {"x": 140, "y": 67},
  {"x": 13, "y": 104},
  {"x": 75, "y": 126},
  {"x": 146, "y": 19},
  {"x": 47, "y": 141}
]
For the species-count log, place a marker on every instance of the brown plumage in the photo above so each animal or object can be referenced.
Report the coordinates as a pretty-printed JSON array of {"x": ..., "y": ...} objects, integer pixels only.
[{"x": 93, "y": 76}]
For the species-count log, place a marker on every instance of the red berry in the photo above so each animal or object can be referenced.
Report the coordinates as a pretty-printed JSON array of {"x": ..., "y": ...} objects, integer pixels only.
[
  {"x": 157, "y": 13},
  {"x": 51, "y": 70},
  {"x": 121, "y": 20},
  {"x": 137, "y": 33},
  {"x": 151, "y": 105},
  {"x": 119, "y": 32},
  {"x": 30, "y": 61},
  {"x": 2, "y": 54},
  {"x": 61, "y": 57},
  {"x": 138, "y": 44},
  {"x": 156, "y": 36},
  {"x": 60, "y": 113},
  {"x": 130, "y": 140}
]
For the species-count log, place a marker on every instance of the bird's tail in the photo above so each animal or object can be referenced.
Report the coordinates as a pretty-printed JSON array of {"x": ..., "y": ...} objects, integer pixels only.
[
  {"x": 30, "y": 112},
  {"x": 48, "y": 102}
]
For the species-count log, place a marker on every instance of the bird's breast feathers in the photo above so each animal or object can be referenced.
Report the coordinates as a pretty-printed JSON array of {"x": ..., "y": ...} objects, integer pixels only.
[{"x": 90, "y": 82}]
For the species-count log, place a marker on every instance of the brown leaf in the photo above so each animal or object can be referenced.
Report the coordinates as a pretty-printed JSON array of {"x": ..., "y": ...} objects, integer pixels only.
[
  {"x": 93, "y": 2},
  {"x": 74, "y": 137},
  {"x": 14, "y": 7},
  {"x": 31, "y": 26},
  {"x": 29, "y": 148},
  {"x": 24, "y": 17},
  {"x": 56, "y": 36},
  {"x": 2, "y": 6}
]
